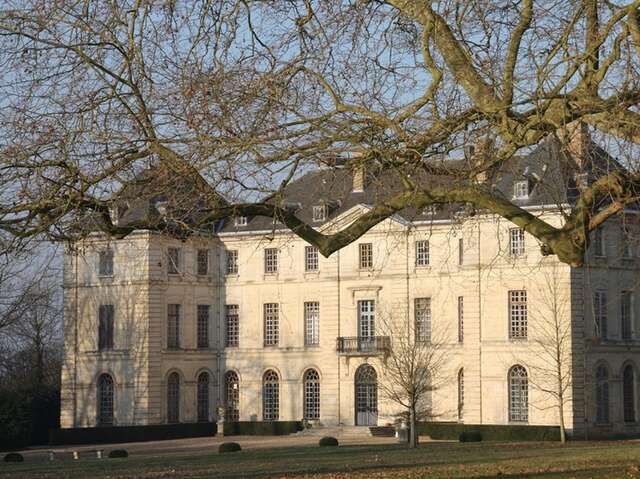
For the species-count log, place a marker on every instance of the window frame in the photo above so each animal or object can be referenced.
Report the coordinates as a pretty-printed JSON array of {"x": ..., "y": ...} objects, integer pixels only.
[
  {"x": 518, "y": 410},
  {"x": 174, "y": 265},
  {"x": 422, "y": 314},
  {"x": 270, "y": 396},
  {"x": 200, "y": 263},
  {"x": 105, "y": 268},
  {"x": 106, "y": 327},
  {"x": 174, "y": 318},
  {"x": 312, "y": 323},
  {"x": 365, "y": 256},
  {"x": 203, "y": 397},
  {"x": 521, "y": 190},
  {"x": 271, "y": 260},
  {"x": 173, "y": 398},
  {"x": 311, "y": 259},
  {"x": 105, "y": 400},
  {"x": 231, "y": 325},
  {"x": 600, "y": 316},
  {"x": 203, "y": 321},
  {"x": 517, "y": 247},
  {"x": 599, "y": 243},
  {"x": 423, "y": 253},
  {"x": 311, "y": 395},
  {"x": 626, "y": 316},
  {"x": 271, "y": 330},
  {"x": 602, "y": 395},
  {"x": 518, "y": 311},
  {"x": 460, "y": 319},
  {"x": 319, "y": 213},
  {"x": 231, "y": 262},
  {"x": 240, "y": 221}
]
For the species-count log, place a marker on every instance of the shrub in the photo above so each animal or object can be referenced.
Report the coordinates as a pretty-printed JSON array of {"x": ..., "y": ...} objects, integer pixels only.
[
  {"x": 328, "y": 441},
  {"x": 229, "y": 447},
  {"x": 13, "y": 457},
  {"x": 116, "y": 453},
  {"x": 470, "y": 436}
]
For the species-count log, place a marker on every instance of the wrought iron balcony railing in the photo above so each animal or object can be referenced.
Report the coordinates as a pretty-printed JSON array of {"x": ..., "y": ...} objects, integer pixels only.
[{"x": 363, "y": 345}]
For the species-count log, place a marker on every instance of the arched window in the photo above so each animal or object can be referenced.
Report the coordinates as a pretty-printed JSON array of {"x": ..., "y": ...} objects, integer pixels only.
[
  {"x": 270, "y": 396},
  {"x": 628, "y": 394},
  {"x": 105, "y": 395},
  {"x": 518, "y": 394},
  {"x": 173, "y": 398},
  {"x": 602, "y": 394},
  {"x": 203, "y": 397},
  {"x": 311, "y": 395},
  {"x": 232, "y": 397},
  {"x": 366, "y": 385},
  {"x": 461, "y": 394}
]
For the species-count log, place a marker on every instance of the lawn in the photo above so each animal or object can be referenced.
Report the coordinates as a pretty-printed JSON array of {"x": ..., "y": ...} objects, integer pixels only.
[{"x": 432, "y": 460}]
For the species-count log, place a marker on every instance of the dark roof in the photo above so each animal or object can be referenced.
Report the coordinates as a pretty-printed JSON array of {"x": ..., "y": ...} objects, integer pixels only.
[{"x": 551, "y": 172}]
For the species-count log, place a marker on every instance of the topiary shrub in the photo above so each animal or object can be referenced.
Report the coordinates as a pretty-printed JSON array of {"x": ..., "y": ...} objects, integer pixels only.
[
  {"x": 229, "y": 447},
  {"x": 117, "y": 453},
  {"x": 470, "y": 436},
  {"x": 13, "y": 457},
  {"x": 328, "y": 441}
]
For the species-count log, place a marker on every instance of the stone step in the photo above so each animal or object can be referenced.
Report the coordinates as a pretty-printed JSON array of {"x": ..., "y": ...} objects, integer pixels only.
[
  {"x": 337, "y": 431},
  {"x": 383, "y": 431}
]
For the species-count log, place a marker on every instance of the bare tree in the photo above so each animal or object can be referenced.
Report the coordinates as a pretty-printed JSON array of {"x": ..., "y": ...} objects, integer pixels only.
[
  {"x": 242, "y": 96},
  {"x": 413, "y": 369},
  {"x": 552, "y": 342}
]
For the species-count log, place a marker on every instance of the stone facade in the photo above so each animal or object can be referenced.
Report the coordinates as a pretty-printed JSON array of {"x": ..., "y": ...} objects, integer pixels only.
[{"x": 482, "y": 273}]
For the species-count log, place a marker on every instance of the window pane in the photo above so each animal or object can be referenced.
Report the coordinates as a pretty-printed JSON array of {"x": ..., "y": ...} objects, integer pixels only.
[
  {"x": 518, "y": 394},
  {"x": 271, "y": 260},
  {"x": 105, "y": 327},
  {"x": 203, "y": 325},
  {"x": 173, "y": 398},
  {"x": 173, "y": 260},
  {"x": 310, "y": 258},
  {"x": 366, "y": 255},
  {"x": 203, "y": 397},
  {"x": 173, "y": 326},
  {"x": 423, "y": 319},
  {"x": 203, "y": 262},
  {"x": 626, "y": 314},
  {"x": 270, "y": 396},
  {"x": 271, "y": 327},
  {"x": 460, "y": 319},
  {"x": 232, "y": 397},
  {"x": 602, "y": 395},
  {"x": 311, "y": 395},
  {"x": 232, "y": 262},
  {"x": 422, "y": 253},
  {"x": 516, "y": 242},
  {"x": 518, "y": 315},
  {"x": 105, "y": 266},
  {"x": 232, "y": 329},
  {"x": 600, "y": 313},
  {"x": 105, "y": 396},
  {"x": 312, "y": 323}
]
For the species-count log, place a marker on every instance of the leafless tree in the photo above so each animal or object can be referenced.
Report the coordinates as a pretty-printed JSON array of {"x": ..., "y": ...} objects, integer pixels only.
[
  {"x": 413, "y": 369},
  {"x": 552, "y": 341},
  {"x": 242, "y": 96}
]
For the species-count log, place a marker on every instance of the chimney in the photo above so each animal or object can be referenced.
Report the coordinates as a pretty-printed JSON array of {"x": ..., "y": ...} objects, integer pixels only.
[
  {"x": 114, "y": 214},
  {"x": 576, "y": 139},
  {"x": 480, "y": 151},
  {"x": 358, "y": 174}
]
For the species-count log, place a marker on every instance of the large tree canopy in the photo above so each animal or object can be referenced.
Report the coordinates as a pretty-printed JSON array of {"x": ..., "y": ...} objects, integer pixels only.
[{"x": 249, "y": 94}]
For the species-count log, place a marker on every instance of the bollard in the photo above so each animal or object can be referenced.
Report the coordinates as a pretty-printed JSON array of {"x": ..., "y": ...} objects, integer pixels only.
[
  {"x": 52, "y": 456},
  {"x": 75, "y": 455}
]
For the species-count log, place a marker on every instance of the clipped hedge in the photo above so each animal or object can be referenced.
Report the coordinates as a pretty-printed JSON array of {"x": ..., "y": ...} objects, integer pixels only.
[
  {"x": 116, "y": 434},
  {"x": 328, "y": 441},
  {"x": 229, "y": 447},
  {"x": 118, "y": 453},
  {"x": 470, "y": 436},
  {"x": 13, "y": 457},
  {"x": 516, "y": 433},
  {"x": 262, "y": 428}
]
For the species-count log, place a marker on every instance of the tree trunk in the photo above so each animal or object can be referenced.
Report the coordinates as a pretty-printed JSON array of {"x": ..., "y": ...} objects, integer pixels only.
[
  {"x": 563, "y": 437},
  {"x": 413, "y": 433}
]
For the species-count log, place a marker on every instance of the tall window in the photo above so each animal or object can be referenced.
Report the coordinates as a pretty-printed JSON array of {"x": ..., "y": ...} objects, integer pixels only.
[
  {"x": 173, "y": 398},
  {"x": 310, "y": 258},
  {"x": 626, "y": 314},
  {"x": 173, "y": 326},
  {"x": 105, "y": 327},
  {"x": 232, "y": 262},
  {"x": 105, "y": 394},
  {"x": 241, "y": 221},
  {"x": 602, "y": 394},
  {"x": 460, "y": 251},
  {"x": 521, "y": 189},
  {"x": 516, "y": 242},
  {"x": 518, "y": 394},
  {"x": 311, "y": 395},
  {"x": 629, "y": 394},
  {"x": 232, "y": 396},
  {"x": 173, "y": 260},
  {"x": 270, "y": 260},
  {"x": 270, "y": 396},
  {"x": 365, "y": 255},
  {"x": 366, "y": 318},
  {"x": 320, "y": 212},
  {"x": 203, "y": 397},
  {"x": 627, "y": 249},
  {"x": 600, "y": 313},
  {"x": 422, "y": 253},
  {"x": 599, "y": 245},
  {"x": 232, "y": 326},
  {"x": 271, "y": 326},
  {"x": 517, "y": 315},
  {"x": 203, "y": 325},
  {"x": 312, "y": 323},
  {"x": 202, "y": 260},
  {"x": 460, "y": 394},
  {"x": 422, "y": 311},
  {"x": 105, "y": 262},
  {"x": 460, "y": 319}
]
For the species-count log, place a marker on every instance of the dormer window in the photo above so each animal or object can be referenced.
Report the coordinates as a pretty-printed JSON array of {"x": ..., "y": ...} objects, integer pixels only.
[
  {"x": 521, "y": 190},
  {"x": 240, "y": 221},
  {"x": 430, "y": 210},
  {"x": 320, "y": 212}
]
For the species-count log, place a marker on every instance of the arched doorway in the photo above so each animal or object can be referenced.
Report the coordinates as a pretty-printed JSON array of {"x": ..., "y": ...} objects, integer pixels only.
[
  {"x": 105, "y": 400},
  {"x": 202, "y": 397},
  {"x": 366, "y": 395}
]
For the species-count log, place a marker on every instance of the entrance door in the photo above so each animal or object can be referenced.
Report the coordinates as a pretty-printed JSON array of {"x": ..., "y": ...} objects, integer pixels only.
[
  {"x": 366, "y": 385},
  {"x": 366, "y": 325}
]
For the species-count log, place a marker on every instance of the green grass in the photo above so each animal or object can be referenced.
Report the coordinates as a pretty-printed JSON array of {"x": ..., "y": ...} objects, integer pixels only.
[{"x": 432, "y": 460}]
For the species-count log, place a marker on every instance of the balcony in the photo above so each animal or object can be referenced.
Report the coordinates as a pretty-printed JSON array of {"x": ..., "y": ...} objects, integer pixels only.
[{"x": 363, "y": 346}]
